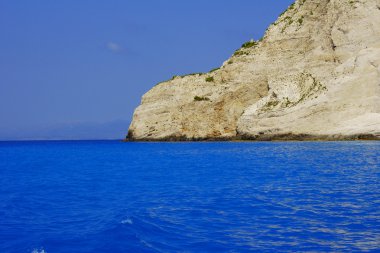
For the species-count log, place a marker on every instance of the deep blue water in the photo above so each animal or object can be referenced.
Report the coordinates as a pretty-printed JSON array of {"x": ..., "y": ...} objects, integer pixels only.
[{"x": 189, "y": 197}]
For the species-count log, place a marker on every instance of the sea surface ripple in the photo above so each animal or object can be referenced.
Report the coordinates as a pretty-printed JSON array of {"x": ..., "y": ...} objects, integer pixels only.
[{"x": 109, "y": 196}]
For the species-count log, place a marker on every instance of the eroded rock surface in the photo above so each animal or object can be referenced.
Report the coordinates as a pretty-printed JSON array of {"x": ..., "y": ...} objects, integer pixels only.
[{"x": 314, "y": 75}]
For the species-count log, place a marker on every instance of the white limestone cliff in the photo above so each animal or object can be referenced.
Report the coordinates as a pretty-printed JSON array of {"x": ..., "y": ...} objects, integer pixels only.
[{"x": 314, "y": 75}]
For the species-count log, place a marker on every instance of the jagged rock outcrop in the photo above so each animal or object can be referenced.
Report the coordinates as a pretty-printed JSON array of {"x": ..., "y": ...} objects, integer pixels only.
[{"x": 314, "y": 75}]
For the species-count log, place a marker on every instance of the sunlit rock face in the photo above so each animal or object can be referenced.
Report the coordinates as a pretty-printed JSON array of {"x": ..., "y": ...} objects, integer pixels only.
[{"x": 314, "y": 75}]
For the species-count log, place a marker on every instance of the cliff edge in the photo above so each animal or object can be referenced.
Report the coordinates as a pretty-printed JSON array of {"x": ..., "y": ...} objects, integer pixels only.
[{"x": 314, "y": 75}]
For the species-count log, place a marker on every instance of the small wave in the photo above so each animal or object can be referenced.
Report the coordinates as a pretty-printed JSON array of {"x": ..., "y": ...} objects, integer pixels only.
[
  {"x": 39, "y": 251},
  {"x": 127, "y": 221}
]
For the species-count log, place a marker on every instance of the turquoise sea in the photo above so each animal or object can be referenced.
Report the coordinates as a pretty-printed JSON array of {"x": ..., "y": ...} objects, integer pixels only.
[{"x": 110, "y": 196}]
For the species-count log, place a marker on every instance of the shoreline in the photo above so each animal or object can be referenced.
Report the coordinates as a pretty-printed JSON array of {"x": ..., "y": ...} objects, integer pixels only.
[{"x": 262, "y": 138}]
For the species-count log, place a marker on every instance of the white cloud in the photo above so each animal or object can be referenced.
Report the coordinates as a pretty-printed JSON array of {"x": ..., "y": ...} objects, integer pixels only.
[{"x": 114, "y": 47}]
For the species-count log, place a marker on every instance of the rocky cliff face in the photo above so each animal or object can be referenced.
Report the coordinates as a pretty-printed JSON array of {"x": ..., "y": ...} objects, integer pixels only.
[{"x": 314, "y": 75}]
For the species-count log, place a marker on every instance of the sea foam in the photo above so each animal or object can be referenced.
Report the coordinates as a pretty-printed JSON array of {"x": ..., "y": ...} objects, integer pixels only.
[
  {"x": 127, "y": 221},
  {"x": 39, "y": 251}
]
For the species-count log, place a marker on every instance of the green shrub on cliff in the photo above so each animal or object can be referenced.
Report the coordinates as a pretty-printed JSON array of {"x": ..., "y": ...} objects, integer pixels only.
[
  {"x": 197, "y": 98},
  {"x": 249, "y": 44},
  {"x": 209, "y": 79}
]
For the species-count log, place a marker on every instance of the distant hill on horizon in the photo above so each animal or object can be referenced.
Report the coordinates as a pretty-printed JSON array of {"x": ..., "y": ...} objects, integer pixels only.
[{"x": 69, "y": 131}]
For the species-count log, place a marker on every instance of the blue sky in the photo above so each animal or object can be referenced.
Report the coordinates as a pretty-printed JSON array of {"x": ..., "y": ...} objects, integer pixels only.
[{"x": 72, "y": 62}]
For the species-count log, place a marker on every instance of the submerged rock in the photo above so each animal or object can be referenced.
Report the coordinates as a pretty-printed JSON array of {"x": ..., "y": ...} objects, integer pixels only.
[{"x": 314, "y": 75}]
